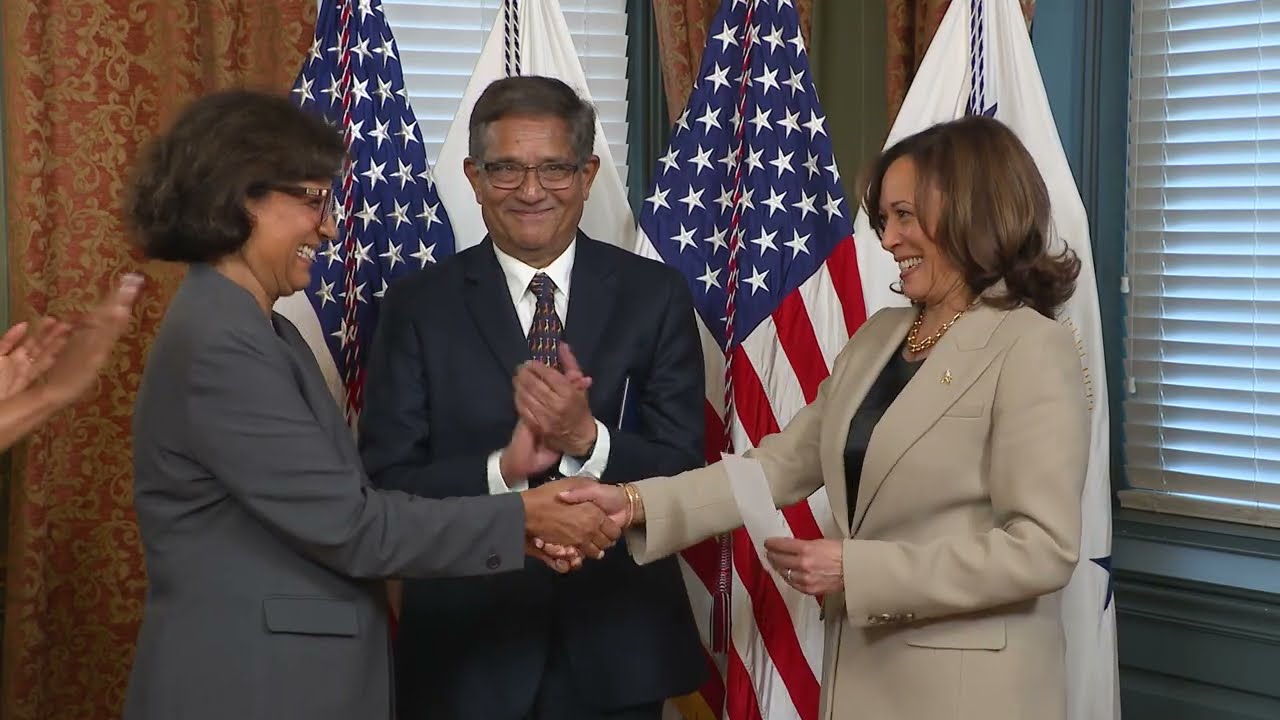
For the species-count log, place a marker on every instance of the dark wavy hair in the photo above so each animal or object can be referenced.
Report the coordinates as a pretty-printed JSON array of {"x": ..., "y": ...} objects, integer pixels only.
[
  {"x": 186, "y": 199},
  {"x": 994, "y": 221}
]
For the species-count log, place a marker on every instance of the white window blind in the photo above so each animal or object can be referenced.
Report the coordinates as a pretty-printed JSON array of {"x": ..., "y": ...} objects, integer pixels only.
[
  {"x": 440, "y": 41},
  {"x": 1202, "y": 416}
]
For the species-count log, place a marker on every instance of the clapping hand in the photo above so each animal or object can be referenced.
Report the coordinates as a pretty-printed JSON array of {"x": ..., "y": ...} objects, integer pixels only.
[
  {"x": 27, "y": 352},
  {"x": 67, "y": 356},
  {"x": 530, "y": 451},
  {"x": 555, "y": 404},
  {"x": 90, "y": 341},
  {"x": 525, "y": 455}
]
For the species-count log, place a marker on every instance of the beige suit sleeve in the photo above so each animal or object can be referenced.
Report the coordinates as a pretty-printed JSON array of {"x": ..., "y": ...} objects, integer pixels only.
[
  {"x": 685, "y": 509},
  {"x": 1039, "y": 457}
]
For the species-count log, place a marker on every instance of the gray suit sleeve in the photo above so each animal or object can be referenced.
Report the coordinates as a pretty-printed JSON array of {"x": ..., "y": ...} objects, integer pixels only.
[{"x": 253, "y": 429}]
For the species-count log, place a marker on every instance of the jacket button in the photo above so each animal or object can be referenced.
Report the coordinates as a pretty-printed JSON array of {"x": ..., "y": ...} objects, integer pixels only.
[{"x": 492, "y": 562}]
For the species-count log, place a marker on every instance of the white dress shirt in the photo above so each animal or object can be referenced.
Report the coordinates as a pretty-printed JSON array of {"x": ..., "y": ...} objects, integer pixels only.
[{"x": 518, "y": 276}]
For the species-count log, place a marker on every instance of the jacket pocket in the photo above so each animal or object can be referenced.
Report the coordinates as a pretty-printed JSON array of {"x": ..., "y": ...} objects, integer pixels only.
[
  {"x": 975, "y": 633},
  {"x": 310, "y": 616}
]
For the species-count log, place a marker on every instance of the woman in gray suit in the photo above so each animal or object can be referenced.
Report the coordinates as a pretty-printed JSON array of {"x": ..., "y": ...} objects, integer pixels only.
[{"x": 265, "y": 546}]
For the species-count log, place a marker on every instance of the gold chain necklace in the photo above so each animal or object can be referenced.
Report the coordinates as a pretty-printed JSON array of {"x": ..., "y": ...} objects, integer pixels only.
[{"x": 918, "y": 346}]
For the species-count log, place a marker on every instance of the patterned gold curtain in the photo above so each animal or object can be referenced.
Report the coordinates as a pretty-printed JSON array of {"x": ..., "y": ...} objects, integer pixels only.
[
  {"x": 682, "y": 34},
  {"x": 911, "y": 26},
  {"x": 86, "y": 82}
]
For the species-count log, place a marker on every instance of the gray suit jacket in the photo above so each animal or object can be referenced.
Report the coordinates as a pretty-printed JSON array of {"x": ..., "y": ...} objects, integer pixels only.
[{"x": 263, "y": 541}]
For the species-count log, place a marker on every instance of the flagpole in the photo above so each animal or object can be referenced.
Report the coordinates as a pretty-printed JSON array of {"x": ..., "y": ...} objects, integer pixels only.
[{"x": 350, "y": 350}]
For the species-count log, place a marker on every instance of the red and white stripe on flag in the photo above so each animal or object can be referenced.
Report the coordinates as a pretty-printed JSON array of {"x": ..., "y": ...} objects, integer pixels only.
[{"x": 747, "y": 203}]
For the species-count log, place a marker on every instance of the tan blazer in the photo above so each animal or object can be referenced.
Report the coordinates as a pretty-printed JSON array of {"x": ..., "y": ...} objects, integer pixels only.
[{"x": 966, "y": 526}]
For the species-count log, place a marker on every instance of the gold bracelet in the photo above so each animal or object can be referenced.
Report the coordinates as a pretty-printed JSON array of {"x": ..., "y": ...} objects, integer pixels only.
[
  {"x": 633, "y": 499},
  {"x": 631, "y": 505}
]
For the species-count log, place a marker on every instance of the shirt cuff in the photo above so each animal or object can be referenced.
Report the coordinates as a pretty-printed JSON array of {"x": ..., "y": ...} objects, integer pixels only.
[
  {"x": 596, "y": 463},
  {"x": 493, "y": 472}
]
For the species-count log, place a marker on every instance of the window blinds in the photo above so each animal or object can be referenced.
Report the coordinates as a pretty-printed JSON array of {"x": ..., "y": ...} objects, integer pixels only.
[
  {"x": 440, "y": 41},
  {"x": 1202, "y": 416}
]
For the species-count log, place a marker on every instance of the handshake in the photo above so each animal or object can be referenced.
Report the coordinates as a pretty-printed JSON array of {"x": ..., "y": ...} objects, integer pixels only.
[{"x": 573, "y": 518}]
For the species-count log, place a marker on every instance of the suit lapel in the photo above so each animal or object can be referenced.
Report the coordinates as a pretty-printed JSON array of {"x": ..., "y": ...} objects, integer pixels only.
[
  {"x": 282, "y": 336},
  {"x": 951, "y": 368},
  {"x": 489, "y": 302},
  {"x": 886, "y": 340},
  {"x": 314, "y": 389},
  {"x": 591, "y": 298}
]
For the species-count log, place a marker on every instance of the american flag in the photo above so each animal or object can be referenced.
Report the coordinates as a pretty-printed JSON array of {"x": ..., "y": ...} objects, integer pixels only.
[
  {"x": 390, "y": 218},
  {"x": 747, "y": 203}
]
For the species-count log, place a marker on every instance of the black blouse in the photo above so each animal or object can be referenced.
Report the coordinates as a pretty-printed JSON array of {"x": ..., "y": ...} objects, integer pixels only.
[{"x": 888, "y": 385}]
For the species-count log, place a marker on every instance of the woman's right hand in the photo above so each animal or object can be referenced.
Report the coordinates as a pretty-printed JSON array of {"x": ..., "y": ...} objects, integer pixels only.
[
  {"x": 89, "y": 344},
  {"x": 611, "y": 499},
  {"x": 552, "y": 522}
]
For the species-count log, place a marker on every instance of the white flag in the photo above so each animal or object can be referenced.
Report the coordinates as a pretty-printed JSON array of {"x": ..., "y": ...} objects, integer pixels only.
[
  {"x": 540, "y": 39},
  {"x": 981, "y": 61}
]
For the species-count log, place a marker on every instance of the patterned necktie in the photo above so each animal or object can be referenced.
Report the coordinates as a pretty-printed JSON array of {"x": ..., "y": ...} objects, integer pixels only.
[{"x": 544, "y": 334}]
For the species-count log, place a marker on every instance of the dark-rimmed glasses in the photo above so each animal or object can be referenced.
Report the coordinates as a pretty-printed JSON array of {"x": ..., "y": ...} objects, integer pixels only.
[
  {"x": 510, "y": 175},
  {"x": 324, "y": 195}
]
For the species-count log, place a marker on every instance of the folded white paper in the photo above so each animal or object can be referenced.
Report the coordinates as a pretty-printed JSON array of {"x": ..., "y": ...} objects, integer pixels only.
[{"x": 755, "y": 501}]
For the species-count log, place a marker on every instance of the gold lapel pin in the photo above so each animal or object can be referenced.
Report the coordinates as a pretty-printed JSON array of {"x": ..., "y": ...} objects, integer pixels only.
[{"x": 946, "y": 378}]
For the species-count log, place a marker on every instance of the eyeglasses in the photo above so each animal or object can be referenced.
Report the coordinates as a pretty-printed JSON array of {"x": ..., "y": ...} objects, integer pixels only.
[
  {"x": 509, "y": 176},
  {"x": 324, "y": 196}
]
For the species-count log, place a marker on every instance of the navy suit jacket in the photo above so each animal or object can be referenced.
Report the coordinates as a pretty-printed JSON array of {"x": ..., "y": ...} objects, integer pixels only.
[{"x": 438, "y": 401}]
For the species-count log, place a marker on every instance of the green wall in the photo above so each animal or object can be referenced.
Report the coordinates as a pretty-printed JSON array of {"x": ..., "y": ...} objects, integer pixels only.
[
  {"x": 847, "y": 58},
  {"x": 647, "y": 125},
  {"x": 848, "y": 39}
]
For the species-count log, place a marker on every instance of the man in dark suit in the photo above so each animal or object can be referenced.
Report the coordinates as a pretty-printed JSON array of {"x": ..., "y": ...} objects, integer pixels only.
[{"x": 444, "y": 417}]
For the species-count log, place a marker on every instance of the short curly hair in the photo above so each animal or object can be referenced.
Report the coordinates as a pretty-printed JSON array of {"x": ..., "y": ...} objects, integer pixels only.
[{"x": 187, "y": 196}]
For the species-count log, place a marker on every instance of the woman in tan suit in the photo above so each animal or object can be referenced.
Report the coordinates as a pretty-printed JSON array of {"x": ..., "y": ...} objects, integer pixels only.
[{"x": 952, "y": 440}]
